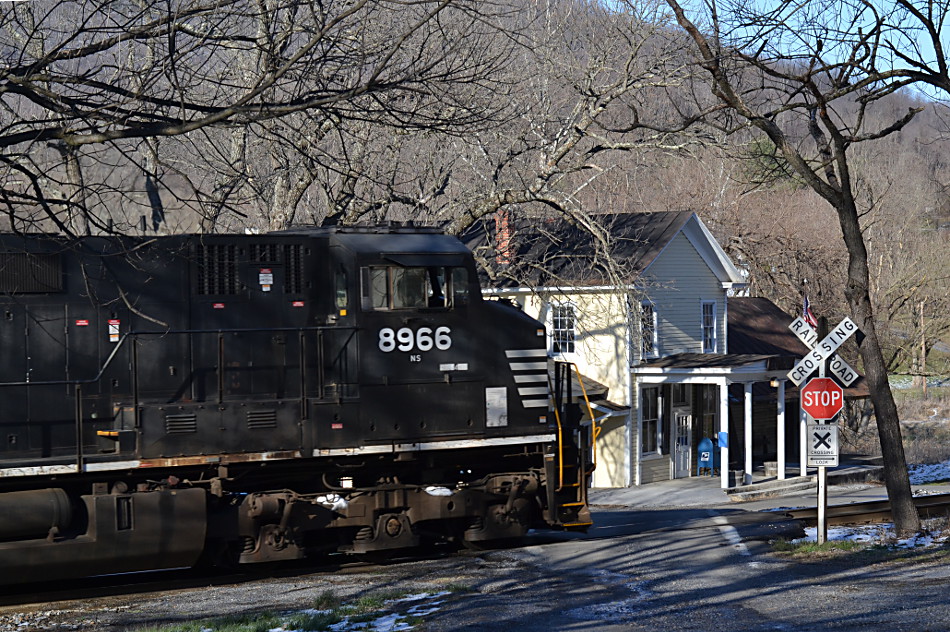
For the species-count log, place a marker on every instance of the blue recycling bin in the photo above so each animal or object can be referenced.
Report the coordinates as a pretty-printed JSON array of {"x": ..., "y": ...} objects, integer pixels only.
[{"x": 706, "y": 456}]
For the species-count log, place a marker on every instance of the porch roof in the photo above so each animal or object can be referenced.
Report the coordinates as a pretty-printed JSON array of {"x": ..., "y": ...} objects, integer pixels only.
[
  {"x": 733, "y": 367},
  {"x": 717, "y": 362},
  {"x": 596, "y": 393}
]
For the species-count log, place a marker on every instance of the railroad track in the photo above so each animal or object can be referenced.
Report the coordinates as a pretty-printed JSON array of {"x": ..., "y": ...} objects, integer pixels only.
[
  {"x": 873, "y": 511},
  {"x": 174, "y": 580}
]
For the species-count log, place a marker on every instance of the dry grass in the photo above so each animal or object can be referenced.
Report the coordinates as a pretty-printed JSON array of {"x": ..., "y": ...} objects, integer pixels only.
[
  {"x": 914, "y": 406},
  {"x": 925, "y": 425}
]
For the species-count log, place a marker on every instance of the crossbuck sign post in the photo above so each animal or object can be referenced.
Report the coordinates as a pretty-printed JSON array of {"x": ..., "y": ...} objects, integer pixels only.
[{"x": 821, "y": 399}]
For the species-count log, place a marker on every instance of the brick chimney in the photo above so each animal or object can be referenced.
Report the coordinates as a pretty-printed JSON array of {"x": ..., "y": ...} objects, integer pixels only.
[{"x": 503, "y": 237}]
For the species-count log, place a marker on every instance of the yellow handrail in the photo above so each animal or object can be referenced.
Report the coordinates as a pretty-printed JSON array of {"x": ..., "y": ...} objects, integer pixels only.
[
  {"x": 594, "y": 430},
  {"x": 560, "y": 443}
]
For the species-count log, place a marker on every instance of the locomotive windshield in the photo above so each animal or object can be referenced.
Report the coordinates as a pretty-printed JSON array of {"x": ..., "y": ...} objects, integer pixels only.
[{"x": 399, "y": 287}]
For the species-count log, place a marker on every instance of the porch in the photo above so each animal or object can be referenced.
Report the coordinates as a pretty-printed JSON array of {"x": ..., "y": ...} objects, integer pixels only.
[{"x": 736, "y": 402}]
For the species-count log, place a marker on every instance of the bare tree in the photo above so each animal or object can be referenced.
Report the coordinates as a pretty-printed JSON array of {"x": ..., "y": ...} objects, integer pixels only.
[
  {"x": 803, "y": 81},
  {"x": 83, "y": 84},
  {"x": 601, "y": 92}
]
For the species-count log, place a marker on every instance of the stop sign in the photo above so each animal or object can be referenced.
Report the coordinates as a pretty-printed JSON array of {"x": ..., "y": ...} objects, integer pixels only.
[{"x": 822, "y": 398}]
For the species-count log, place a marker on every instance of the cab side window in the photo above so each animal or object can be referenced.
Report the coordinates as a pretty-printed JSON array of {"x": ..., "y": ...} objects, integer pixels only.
[
  {"x": 396, "y": 287},
  {"x": 409, "y": 288},
  {"x": 341, "y": 296},
  {"x": 459, "y": 277}
]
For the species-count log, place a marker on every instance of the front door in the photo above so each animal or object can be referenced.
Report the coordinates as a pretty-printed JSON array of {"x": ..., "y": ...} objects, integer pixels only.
[{"x": 684, "y": 445}]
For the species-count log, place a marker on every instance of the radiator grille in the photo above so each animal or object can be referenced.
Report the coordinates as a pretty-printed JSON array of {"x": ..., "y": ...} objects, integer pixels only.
[
  {"x": 293, "y": 279},
  {"x": 264, "y": 253},
  {"x": 217, "y": 269},
  {"x": 181, "y": 424},
  {"x": 257, "y": 419},
  {"x": 25, "y": 272}
]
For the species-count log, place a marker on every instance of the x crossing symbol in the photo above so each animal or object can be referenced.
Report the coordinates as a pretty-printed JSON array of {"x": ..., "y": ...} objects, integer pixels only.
[{"x": 822, "y": 440}]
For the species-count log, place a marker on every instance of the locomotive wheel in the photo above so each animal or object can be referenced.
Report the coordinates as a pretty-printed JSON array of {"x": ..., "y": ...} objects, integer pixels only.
[{"x": 499, "y": 527}]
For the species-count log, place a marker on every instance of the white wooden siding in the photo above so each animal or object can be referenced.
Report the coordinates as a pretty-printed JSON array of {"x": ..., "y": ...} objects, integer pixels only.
[
  {"x": 678, "y": 282},
  {"x": 656, "y": 469}
]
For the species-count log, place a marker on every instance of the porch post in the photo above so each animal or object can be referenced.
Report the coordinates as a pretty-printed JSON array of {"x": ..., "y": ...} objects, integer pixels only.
[
  {"x": 747, "y": 417},
  {"x": 780, "y": 439},
  {"x": 638, "y": 444},
  {"x": 724, "y": 431},
  {"x": 803, "y": 446}
]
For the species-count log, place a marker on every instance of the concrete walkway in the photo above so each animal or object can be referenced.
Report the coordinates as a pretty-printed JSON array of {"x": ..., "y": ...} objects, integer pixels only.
[{"x": 706, "y": 492}]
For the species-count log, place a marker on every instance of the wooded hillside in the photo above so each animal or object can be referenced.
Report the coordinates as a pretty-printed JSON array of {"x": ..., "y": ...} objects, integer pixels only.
[{"x": 190, "y": 115}]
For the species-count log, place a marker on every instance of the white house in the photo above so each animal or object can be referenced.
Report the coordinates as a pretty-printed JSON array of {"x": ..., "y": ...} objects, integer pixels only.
[{"x": 639, "y": 302}]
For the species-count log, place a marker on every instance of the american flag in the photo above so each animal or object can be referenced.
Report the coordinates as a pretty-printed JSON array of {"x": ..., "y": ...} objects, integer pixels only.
[{"x": 807, "y": 313}]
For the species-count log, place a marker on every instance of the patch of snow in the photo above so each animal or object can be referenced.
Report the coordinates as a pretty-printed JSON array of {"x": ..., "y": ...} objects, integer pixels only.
[
  {"x": 902, "y": 382},
  {"x": 424, "y": 611},
  {"x": 879, "y": 533},
  {"x": 419, "y": 596},
  {"x": 385, "y": 622},
  {"x": 930, "y": 473},
  {"x": 862, "y": 533},
  {"x": 919, "y": 540}
]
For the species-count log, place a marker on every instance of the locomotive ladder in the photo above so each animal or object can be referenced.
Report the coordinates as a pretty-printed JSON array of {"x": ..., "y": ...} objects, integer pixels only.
[{"x": 568, "y": 470}]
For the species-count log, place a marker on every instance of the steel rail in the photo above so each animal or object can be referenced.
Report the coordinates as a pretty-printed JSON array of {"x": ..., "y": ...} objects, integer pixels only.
[{"x": 873, "y": 511}]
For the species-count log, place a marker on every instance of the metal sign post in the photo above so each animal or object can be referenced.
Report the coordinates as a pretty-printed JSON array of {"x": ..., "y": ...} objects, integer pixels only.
[
  {"x": 822, "y": 453},
  {"x": 822, "y": 504},
  {"x": 823, "y": 438}
]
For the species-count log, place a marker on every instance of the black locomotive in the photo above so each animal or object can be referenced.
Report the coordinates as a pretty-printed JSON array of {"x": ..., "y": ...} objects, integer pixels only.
[{"x": 242, "y": 398}]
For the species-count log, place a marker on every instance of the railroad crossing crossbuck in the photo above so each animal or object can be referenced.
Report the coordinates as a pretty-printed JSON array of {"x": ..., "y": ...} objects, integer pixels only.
[{"x": 822, "y": 350}]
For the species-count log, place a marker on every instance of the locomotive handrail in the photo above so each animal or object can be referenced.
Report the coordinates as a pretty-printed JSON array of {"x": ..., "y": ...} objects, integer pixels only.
[
  {"x": 560, "y": 450},
  {"x": 590, "y": 413},
  {"x": 136, "y": 334},
  {"x": 78, "y": 383},
  {"x": 557, "y": 395}
]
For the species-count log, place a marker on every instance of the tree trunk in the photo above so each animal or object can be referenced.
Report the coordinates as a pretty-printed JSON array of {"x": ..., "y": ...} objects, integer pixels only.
[
  {"x": 896, "y": 480},
  {"x": 836, "y": 187}
]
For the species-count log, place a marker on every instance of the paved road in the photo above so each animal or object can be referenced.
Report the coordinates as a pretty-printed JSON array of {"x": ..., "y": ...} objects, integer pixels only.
[
  {"x": 705, "y": 577},
  {"x": 689, "y": 569}
]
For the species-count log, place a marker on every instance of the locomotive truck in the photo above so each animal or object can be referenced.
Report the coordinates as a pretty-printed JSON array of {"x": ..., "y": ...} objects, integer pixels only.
[{"x": 170, "y": 401}]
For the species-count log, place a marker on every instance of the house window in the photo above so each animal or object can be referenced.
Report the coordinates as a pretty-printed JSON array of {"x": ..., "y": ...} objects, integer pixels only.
[
  {"x": 563, "y": 328},
  {"x": 679, "y": 394},
  {"x": 651, "y": 420},
  {"x": 647, "y": 330},
  {"x": 709, "y": 327}
]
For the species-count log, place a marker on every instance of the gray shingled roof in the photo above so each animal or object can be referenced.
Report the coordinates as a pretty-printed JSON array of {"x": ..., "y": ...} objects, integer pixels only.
[
  {"x": 757, "y": 325},
  {"x": 554, "y": 251},
  {"x": 719, "y": 361}
]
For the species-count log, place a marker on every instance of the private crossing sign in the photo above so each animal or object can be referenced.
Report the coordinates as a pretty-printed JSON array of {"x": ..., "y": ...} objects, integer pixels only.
[
  {"x": 821, "y": 350},
  {"x": 822, "y": 445}
]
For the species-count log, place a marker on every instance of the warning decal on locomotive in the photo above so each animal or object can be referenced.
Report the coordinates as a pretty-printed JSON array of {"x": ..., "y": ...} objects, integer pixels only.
[{"x": 530, "y": 373}]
